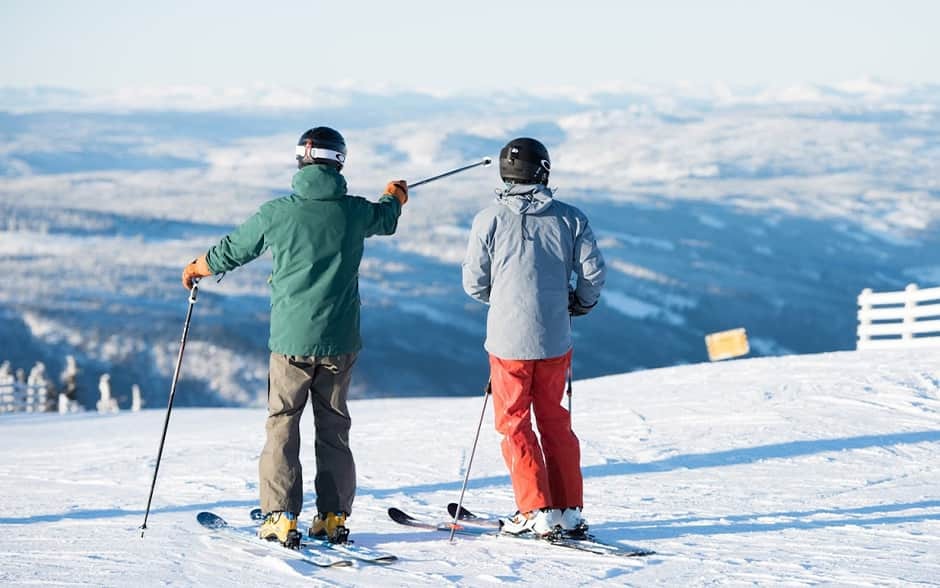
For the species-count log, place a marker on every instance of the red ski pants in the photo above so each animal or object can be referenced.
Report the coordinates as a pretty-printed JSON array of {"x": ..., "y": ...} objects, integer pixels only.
[{"x": 546, "y": 474}]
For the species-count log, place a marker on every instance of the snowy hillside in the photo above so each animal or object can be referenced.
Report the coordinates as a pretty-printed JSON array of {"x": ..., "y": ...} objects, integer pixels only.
[
  {"x": 716, "y": 207},
  {"x": 802, "y": 470}
]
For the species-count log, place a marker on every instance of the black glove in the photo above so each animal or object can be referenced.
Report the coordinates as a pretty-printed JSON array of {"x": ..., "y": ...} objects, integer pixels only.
[{"x": 576, "y": 308}]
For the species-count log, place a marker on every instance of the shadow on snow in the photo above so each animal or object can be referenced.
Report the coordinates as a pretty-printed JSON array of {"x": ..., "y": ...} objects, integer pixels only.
[
  {"x": 652, "y": 530},
  {"x": 696, "y": 460},
  {"x": 752, "y": 523}
]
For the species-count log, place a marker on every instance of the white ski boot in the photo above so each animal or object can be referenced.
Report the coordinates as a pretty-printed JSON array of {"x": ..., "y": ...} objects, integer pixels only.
[
  {"x": 572, "y": 523},
  {"x": 542, "y": 522}
]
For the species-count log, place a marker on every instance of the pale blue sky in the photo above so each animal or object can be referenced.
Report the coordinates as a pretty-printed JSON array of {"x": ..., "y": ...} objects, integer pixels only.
[{"x": 463, "y": 45}]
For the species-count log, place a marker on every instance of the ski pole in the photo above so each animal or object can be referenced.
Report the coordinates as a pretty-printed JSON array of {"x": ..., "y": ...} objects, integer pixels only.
[
  {"x": 484, "y": 162},
  {"x": 166, "y": 422},
  {"x": 570, "y": 362},
  {"x": 486, "y": 396},
  {"x": 570, "y": 368}
]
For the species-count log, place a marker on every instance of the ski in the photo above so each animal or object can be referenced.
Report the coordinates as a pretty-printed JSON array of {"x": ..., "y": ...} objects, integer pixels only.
[
  {"x": 403, "y": 518},
  {"x": 349, "y": 549},
  {"x": 248, "y": 539},
  {"x": 478, "y": 526},
  {"x": 582, "y": 541}
]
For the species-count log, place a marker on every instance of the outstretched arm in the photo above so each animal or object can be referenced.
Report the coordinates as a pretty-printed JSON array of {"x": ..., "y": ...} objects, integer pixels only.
[
  {"x": 385, "y": 212},
  {"x": 235, "y": 249}
]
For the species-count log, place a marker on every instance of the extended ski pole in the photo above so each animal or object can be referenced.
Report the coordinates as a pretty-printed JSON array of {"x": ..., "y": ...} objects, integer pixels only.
[
  {"x": 486, "y": 396},
  {"x": 166, "y": 422},
  {"x": 484, "y": 162}
]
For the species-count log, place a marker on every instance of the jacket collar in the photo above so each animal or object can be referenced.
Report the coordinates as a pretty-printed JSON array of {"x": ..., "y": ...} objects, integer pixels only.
[
  {"x": 525, "y": 198},
  {"x": 319, "y": 182}
]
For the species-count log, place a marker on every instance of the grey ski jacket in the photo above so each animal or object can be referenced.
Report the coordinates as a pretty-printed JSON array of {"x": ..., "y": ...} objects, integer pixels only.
[{"x": 523, "y": 253}]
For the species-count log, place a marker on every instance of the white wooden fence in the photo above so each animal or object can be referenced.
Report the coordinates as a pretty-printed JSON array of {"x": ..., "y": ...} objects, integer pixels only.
[
  {"x": 19, "y": 397},
  {"x": 906, "y": 319}
]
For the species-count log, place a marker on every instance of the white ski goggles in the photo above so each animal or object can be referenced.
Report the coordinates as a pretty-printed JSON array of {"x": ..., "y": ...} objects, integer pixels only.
[{"x": 307, "y": 154}]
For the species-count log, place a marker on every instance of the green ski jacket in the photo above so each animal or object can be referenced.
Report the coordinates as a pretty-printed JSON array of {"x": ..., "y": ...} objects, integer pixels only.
[{"x": 316, "y": 236}]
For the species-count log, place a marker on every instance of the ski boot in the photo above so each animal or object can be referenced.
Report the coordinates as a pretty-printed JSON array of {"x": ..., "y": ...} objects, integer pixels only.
[
  {"x": 543, "y": 523},
  {"x": 281, "y": 526},
  {"x": 331, "y": 526},
  {"x": 572, "y": 523}
]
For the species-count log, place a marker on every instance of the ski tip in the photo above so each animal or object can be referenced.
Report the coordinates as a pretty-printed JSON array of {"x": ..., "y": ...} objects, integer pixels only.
[
  {"x": 211, "y": 520},
  {"x": 385, "y": 559},
  {"x": 464, "y": 513},
  {"x": 399, "y": 515}
]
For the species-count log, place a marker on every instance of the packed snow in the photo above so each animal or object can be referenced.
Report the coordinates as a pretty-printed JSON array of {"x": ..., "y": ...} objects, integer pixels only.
[{"x": 799, "y": 470}]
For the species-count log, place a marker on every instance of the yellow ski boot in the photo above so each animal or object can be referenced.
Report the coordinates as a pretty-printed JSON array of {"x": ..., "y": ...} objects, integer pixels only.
[
  {"x": 282, "y": 527},
  {"x": 331, "y": 526}
]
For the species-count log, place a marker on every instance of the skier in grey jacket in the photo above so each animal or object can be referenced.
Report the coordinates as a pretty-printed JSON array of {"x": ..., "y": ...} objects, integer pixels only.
[{"x": 523, "y": 254}]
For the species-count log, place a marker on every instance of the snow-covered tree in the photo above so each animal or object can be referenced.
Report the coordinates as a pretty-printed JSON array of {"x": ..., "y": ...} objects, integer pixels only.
[{"x": 106, "y": 403}]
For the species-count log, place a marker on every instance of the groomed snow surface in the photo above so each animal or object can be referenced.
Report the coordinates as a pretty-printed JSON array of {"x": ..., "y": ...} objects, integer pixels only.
[{"x": 800, "y": 470}]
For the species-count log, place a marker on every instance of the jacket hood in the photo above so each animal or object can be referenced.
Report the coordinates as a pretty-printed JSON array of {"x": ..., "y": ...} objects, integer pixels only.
[
  {"x": 319, "y": 182},
  {"x": 525, "y": 198}
]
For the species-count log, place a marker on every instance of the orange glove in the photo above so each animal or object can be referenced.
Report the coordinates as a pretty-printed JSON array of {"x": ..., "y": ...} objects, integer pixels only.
[
  {"x": 398, "y": 189},
  {"x": 197, "y": 268}
]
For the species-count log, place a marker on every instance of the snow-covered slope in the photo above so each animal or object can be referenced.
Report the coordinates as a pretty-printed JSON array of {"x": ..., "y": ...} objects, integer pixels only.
[{"x": 816, "y": 469}]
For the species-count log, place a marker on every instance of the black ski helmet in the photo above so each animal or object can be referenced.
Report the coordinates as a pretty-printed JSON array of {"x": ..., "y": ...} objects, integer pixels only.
[
  {"x": 321, "y": 145},
  {"x": 524, "y": 161}
]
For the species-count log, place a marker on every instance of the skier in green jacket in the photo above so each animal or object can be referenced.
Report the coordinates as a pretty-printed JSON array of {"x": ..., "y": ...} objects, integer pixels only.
[{"x": 316, "y": 236}]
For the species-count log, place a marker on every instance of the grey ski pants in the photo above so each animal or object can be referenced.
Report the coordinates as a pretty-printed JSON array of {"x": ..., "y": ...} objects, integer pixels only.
[{"x": 291, "y": 379}]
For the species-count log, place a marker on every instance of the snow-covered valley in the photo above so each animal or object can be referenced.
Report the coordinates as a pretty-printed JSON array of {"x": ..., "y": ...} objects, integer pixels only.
[{"x": 716, "y": 208}]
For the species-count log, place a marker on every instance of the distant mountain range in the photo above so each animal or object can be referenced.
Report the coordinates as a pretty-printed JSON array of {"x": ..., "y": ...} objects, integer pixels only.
[{"x": 763, "y": 208}]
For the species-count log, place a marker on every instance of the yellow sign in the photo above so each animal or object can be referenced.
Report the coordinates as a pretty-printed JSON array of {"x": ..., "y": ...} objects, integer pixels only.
[{"x": 727, "y": 344}]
